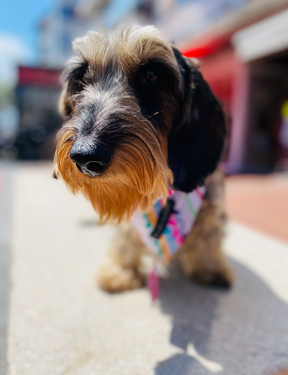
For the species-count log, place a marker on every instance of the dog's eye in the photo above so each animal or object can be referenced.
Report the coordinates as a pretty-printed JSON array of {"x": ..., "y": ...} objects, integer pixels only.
[{"x": 149, "y": 76}]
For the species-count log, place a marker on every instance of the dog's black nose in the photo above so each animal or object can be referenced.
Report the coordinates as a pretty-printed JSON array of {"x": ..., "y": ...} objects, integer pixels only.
[{"x": 91, "y": 157}]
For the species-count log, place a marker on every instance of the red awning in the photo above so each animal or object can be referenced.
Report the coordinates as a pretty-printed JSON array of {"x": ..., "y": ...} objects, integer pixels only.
[{"x": 208, "y": 48}]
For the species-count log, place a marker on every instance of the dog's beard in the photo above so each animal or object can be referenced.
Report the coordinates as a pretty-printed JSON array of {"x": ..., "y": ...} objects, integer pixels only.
[{"x": 137, "y": 176}]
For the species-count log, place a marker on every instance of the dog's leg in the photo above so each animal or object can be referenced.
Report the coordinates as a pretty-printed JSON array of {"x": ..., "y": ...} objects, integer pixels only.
[
  {"x": 201, "y": 255},
  {"x": 124, "y": 268}
]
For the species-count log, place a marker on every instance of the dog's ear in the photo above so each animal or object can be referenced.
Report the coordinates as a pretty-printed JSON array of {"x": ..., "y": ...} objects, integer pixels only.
[
  {"x": 197, "y": 137},
  {"x": 73, "y": 82}
]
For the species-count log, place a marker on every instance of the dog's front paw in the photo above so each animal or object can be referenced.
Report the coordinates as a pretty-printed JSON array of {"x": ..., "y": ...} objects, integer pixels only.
[
  {"x": 210, "y": 270},
  {"x": 220, "y": 276},
  {"x": 115, "y": 279},
  {"x": 223, "y": 279}
]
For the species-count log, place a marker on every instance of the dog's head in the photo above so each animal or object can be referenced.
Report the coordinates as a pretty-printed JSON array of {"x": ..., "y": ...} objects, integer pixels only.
[{"x": 138, "y": 118}]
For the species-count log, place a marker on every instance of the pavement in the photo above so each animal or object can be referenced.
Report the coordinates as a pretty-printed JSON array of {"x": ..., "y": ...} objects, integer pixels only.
[
  {"x": 55, "y": 321},
  {"x": 261, "y": 202}
]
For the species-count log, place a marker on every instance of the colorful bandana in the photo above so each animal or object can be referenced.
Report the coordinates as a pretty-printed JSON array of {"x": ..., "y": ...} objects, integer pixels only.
[{"x": 164, "y": 228}]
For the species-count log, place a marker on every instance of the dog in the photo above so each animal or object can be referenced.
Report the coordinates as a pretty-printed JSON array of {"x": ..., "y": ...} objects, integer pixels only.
[{"x": 138, "y": 119}]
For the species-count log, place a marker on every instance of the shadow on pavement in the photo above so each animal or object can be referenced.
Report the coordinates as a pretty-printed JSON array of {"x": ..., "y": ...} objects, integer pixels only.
[{"x": 243, "y": 331}]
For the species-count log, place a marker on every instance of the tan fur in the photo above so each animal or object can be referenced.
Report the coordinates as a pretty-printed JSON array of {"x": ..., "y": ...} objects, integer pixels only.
[
  {"x": 201, "y": 254},
  {"x": 130, "y": 47},
  {"x": 123, "y": 269}
]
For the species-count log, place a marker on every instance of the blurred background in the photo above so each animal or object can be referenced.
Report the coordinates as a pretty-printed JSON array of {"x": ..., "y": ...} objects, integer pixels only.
[
  {"x": 243, "y": 49},
  {"x": 242, "y": 46}
]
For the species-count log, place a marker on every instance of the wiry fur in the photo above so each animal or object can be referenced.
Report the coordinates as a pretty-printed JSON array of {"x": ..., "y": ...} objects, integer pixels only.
[
  {"x": 139, "y": 173},
  {"x": 137, "y": 176},
  {"x": 201, "y": 253},
  {"x": 169, "y": 133}
]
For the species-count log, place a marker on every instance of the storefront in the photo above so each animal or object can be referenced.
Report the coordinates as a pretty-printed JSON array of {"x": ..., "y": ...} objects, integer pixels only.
[
  {"x": 37, "y": 96},
  {"x": 248, "y": 71},
  {"x": 263, "y": 47}
]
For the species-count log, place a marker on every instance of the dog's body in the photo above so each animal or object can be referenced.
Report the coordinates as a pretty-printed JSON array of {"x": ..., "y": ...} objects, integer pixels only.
[{"x": 139, "y": 118}]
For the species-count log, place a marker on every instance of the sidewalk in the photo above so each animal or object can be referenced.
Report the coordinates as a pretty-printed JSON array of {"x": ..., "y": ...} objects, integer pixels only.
[{"x": 60, "y": 323}]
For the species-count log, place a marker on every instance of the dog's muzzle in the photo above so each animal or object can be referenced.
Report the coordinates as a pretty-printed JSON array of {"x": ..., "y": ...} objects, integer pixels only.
[{"x": 91, "y": 157}]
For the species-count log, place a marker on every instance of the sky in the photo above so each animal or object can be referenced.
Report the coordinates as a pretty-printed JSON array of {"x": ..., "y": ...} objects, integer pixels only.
[{"x": 19, "y": 20}]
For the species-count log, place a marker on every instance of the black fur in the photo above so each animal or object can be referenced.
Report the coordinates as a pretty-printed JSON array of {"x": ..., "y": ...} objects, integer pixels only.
[
  {"x": 197, "y": 138},
  {"x": 153, "y": 98}
]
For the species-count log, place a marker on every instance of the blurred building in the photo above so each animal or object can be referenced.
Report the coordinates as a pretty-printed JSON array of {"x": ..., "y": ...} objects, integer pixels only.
[
  {"x": 57, "y": 31},
  {"x": 244, "y": 58},
  {"x": 242, "y": 46},
  {"x": 37, "y": 95}
]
